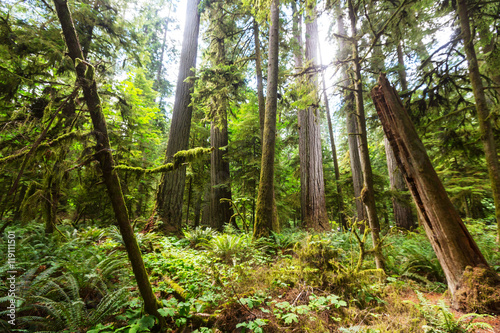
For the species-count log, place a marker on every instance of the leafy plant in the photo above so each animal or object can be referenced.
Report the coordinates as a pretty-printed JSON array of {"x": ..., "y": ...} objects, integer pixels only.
[
  {"x": 67, "y": 310},
  {"x": 441, "y": 320},
  {"x": 254, "y": 325},
  {"x": 200, "y": 235},
  {"x": 228, "y": 247}
]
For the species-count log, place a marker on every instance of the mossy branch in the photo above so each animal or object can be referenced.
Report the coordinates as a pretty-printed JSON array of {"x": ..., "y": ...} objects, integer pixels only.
[
  {"x": 181, "y": 157},
  {"x": 57, "y": 141}
]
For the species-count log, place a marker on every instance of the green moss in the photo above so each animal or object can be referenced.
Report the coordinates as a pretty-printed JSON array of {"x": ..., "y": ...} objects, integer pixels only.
[
  {"x": 478, "y": 291},
  {"x": 181, "y": 157},
  {"x": 51, "y": 144}
]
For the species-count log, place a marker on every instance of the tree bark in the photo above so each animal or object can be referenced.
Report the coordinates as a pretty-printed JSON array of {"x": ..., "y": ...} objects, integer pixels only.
[
  {"x": 258, "y": 72},
  {"x": 454, "y": 246},
  {"x": 103, "y": 154},
  {"x": 220, "y": 180},
  {"x": 313, "y": 202},
  {"x": 220, "y": 212},
  {"x": 265, "y": 215},
  {"x": 340, "y": 199},
  {"x": 367, "y": 193},
  {"x": 403, "y": 216},
  {"x": 171, "y": 189},
  {"x": 162, "y": 53},
  {"x": 351, "y": 126},
  {"x": 482, "y": 109}
]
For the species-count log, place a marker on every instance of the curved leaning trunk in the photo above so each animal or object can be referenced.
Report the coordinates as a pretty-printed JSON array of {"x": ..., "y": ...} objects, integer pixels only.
[{"x": 85, "y": 79}]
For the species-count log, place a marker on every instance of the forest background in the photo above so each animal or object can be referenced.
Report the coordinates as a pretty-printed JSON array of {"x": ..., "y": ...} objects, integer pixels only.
[{"x": 257, "y": 168}]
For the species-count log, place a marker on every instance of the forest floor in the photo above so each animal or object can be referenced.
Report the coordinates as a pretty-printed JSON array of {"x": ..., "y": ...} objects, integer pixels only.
[
  {"x": 210, "y": 282},
  {"x": 434, "y": 298}
]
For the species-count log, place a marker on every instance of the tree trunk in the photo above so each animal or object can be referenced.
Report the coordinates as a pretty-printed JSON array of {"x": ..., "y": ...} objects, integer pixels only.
[
  {"x": 266, "y": 216},
  {"x": 103, "y": 154},
  {"x": 197, "y": 210},
  {"x": 162, "y": 53},
  {"x": 454, "y": 246},
  {"x": 171, "y": 189},
  {"x": 220, "y": 212},
  {"x": 340, "y": 199},
  {"x": 190, "y": 194},
  {"x": 367, "y": 193},
  {"x": 258, "y": 72},
  {"x": 403, "y": 216},
  {"x": 351, "y": 126},
  {"x": 313, "y": 202},
  {"x": 483, "y": 112}
]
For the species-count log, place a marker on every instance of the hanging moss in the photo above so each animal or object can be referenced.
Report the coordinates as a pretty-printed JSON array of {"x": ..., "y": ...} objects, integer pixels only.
[
  {"x": 181, "y": 157},
  {"x": 51, "y": 144}
]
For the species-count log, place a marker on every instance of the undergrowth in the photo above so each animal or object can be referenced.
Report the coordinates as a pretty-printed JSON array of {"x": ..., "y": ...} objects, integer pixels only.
[{"x": 80, "y": 281}]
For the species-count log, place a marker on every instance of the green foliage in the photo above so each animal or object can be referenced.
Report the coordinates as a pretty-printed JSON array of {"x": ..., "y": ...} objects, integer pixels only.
[
  {"x": 441, "y": 320},
  {"x": 254, "y": 325},
  {"x": 410, "y": 254},
  {"x": 198, "y": 236},
  {"x": 229, "y": 248}
]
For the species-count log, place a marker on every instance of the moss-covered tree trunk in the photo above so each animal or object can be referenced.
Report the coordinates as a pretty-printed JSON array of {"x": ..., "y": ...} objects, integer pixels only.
[
  {"x": 103, "y": 154},
  {"x": 220, "y": 212},
  {"x": 367, "y": 193},
  {"x": 483, "y": 112},
  {"x": 220, "y": 180},
  {"x": 265, "y": 215},
  {"x": 458, "y": 254},
  {"x": 171, "y": 190}
]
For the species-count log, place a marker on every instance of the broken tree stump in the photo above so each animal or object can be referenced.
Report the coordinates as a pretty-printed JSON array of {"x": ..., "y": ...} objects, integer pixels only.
[{"x": 459, "y": 256}]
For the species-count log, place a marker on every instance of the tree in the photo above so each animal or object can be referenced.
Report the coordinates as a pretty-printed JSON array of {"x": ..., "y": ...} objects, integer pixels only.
[
  {"x": 85, "y": 78},
  {"x": 350, "y": 117},
  {"x": 171, "y": 188},
  {"x": 265, "y": 215},
  {"x": 482, "y": 109},
  {"x": 367, "y": 193},
  {"x": 458, "y": 254},
  {"x": 313, "y": 203},
  {"x": 258, "y": 75},
  {"x": 340, "y": 199}
]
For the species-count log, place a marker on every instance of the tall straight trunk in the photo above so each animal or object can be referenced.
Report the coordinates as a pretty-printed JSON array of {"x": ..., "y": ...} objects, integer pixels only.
[
  {"x": 340, "y": 199},
  {"x": 258, "y": 74},
  {"x": 455, "y": 249},
  {"x": 351, "y": 125},
  {"x": 483, "y": 112},
  {"x": 313, "y": 202},
  {"x": 171, "y": 189},
  {"x": 401, "y": 66},
  {"x": 197, "y": 209},
  {"x": 220, "y": 212},
  {"x": 162, "y": 53},
  {"x": 265, "y": 215},
  {"x": 104, "y": 155},
  {"x": 190, "y": 194},
  {"x": 367, "y": 193}
]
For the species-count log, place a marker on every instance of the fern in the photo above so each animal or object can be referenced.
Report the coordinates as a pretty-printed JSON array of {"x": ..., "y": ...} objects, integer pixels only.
[{"x": 441, "y": 320}]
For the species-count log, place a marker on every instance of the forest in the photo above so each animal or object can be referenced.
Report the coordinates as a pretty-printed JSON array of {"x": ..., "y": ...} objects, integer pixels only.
[{"x": 250, "y": 166}]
